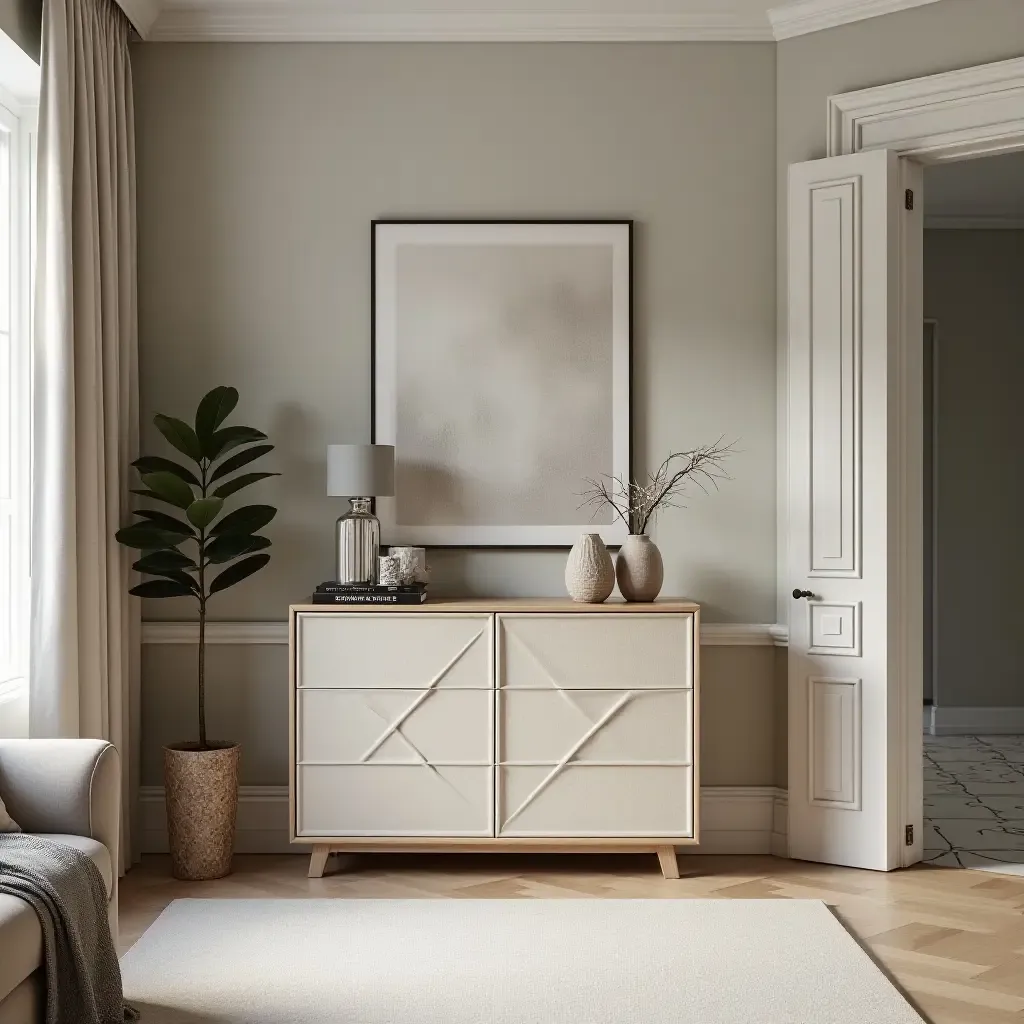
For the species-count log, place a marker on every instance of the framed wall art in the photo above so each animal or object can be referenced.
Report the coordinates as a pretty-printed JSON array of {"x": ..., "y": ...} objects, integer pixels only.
[{"x": 501, "y": 374}]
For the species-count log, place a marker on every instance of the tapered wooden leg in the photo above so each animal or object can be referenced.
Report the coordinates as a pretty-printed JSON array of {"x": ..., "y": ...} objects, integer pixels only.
[
  {"x": 318, "y": 860},
  {"x": 668, "y": 862}
]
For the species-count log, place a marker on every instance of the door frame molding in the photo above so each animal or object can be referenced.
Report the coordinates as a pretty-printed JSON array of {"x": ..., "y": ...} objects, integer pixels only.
[{"x": 957, "y": 115}]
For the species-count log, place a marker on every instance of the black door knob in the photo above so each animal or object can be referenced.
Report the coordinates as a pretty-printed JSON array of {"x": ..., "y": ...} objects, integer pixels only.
[{"x": 802, "y": 593}]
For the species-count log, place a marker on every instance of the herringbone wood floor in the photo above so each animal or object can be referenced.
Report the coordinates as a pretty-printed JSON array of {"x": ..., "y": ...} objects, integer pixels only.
[{"x": 952, "y": 939}]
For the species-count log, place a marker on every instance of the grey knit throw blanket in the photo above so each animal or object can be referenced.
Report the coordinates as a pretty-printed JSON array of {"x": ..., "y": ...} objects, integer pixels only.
[{"x": 64, "y": 887}]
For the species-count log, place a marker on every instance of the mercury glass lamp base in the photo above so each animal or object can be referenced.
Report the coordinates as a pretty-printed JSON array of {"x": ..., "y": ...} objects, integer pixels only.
[{"x": 357, "y": 544}]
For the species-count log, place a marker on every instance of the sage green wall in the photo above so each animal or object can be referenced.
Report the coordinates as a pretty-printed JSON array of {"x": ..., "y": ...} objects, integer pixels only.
[
  {"x": 973, "y": 290},
  {"x": 260, "y": 168}
]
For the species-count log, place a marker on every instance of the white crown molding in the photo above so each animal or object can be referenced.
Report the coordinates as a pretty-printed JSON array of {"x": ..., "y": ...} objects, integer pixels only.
[
  {"x": 713, "y": 634},
  {"x": 804, "y": 16},
  {"x": 141, "y": 13},
  {"x": 311, "y": 21},
  {"x": 734, "y": 819},
  {"x": 948, "y": 221}
]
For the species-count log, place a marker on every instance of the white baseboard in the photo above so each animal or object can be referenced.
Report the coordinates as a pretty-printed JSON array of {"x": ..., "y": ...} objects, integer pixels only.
[
  {"x": 734, "y": 819},
  {"x": 951, "y": 721}
]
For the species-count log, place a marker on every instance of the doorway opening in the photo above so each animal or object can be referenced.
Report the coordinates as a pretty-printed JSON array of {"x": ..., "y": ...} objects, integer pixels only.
[{"x": 973, "y": 363}]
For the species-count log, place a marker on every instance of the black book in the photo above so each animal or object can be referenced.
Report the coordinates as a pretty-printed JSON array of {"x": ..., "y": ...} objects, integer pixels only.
[
  {"x": 371, "y": 588},
  {"x": 370, "y": 597}
]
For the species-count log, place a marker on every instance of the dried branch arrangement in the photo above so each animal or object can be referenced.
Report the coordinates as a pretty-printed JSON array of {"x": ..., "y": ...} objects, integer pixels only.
[{"x": 637, "y": 503}]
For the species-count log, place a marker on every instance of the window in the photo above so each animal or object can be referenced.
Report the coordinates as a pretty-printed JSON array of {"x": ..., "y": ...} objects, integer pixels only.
[{"x": 17, "y": 176}]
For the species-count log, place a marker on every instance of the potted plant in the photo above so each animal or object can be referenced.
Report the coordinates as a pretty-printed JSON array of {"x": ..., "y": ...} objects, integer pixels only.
[
  {"x": 197, "y": 553},
  {"x": 639, "y": 569}
]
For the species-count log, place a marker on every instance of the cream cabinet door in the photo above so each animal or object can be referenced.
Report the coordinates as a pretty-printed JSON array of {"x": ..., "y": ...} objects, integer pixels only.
[
  {"x": 595, "y": 725},
  {"x": 394, "y": 721}
]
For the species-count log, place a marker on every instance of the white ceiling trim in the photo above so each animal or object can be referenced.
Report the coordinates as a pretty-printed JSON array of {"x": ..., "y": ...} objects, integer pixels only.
[
  {"x": 303, "y": 21},
  {"x": 141, "y": 13},
  {"x": 804, "y": 16},
  {"x": 591, "y": 21}
]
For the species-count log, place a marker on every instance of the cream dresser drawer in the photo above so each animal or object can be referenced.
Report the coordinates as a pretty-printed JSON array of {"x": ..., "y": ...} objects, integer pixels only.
[
  {"x": 619, "y": 651},
  {"x": 419, "y": 650}
]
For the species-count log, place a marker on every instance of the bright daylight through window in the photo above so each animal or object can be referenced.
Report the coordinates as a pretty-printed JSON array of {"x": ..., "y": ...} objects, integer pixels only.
[{"x": 19, "y": 83}]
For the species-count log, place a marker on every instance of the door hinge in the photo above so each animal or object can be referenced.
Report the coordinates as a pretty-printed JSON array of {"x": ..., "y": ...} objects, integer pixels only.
[
  {"x": 908, "y": 199},
  {"x": 909, "y": 835}
]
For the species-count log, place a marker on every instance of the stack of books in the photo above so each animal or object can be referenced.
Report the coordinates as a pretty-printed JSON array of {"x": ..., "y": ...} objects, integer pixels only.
[{"x": 360, "y": 593}]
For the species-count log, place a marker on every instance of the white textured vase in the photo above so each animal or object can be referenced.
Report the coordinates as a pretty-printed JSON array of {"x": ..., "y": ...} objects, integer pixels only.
[
  {"x": 589, "y": 574},
  {"x": 639, "y": 568}
]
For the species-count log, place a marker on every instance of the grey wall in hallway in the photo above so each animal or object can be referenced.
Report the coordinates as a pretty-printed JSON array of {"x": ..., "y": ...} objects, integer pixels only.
[{"x": 973, "y": 290}]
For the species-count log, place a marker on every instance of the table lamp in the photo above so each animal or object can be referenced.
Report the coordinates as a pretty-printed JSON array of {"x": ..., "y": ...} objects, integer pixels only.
[{"x": 359, "y": 472}]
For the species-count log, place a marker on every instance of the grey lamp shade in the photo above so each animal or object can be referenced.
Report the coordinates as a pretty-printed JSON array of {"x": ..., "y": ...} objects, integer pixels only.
[{"x": 360, "y": 470}]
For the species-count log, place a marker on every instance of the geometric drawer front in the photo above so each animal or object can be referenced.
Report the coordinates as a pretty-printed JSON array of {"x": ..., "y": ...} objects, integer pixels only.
[
  {"x": 595, "y": 800},
  {"x": 394, "y": 800},
  {"x": 620, "y": 727},
  {"x": 835, "y": 628},
  {"x": 364, "y": 650},
  {"x": 385, "y": 726},
  {"x": 619, "y": 652}
]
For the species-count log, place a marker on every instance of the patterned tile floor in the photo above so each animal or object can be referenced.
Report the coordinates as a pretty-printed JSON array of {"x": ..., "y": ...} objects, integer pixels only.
[{"x": 974, "y": 802}]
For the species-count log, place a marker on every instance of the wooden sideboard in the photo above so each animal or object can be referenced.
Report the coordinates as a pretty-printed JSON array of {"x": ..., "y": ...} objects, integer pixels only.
[{"x": 494, "y": 725}]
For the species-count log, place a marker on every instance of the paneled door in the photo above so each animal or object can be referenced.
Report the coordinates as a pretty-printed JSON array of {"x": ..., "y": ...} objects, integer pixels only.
[{"x": 853, "y": 406}]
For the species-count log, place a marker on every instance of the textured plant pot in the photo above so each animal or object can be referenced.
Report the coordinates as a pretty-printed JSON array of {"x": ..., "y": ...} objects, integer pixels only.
[
  {"x": 639, "y": 569},
  {"x": 589, "y": 573},
  {"x": 202, "y": 805}
]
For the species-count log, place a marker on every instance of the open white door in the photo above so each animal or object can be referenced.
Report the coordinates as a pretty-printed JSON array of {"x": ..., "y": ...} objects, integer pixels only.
[{"x": 854, "y": 399}]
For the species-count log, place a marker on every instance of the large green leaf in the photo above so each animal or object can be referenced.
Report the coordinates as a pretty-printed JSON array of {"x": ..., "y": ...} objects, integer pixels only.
[
  {"x": 170, "y": 488},
  {"x": 239, "y": 460},
  {"x": 147, "y": 537},
  {"x": 247, "y": 519},
  {"x": 180, "y": 435},
  {"x": 241, "y": 481},
  {"x": 226, "y": 438},
  {"x": 166, "y": 522},
  {"x": 161, "y": 588},
  {"x": 156, "y": 562},
  {"x": 203, "y": 511},
  {"x": 236, "y": 573},
  {"x": 213, "y": 410},
  {"x": 155, "y": 464},
  {"x": 231, "y": 545}
]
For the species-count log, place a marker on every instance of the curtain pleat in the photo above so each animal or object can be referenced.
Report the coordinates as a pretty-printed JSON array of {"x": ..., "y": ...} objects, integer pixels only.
[{"x": 85, "y": 630}]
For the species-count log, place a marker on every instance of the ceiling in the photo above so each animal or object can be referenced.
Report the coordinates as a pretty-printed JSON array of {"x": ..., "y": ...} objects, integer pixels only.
[
  {"x": 986, "y": 193},
  {"x": 495, "y": 20}
]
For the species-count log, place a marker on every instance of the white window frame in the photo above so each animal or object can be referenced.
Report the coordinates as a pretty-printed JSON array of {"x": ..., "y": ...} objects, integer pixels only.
[{"x": 19, "y": 118}]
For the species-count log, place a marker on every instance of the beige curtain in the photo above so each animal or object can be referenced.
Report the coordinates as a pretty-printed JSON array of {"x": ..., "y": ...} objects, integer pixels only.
[{"x": 85, "y": 630}]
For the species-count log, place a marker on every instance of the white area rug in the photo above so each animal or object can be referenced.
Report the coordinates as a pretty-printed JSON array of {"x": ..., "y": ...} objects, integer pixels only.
[{"x": 506, "y": 962}]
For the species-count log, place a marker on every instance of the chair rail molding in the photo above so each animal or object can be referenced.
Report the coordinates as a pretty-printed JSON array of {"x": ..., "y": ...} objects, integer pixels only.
[
  {"x": 713, "y": 634},
  {"x": 951, "y": 116},
  {"x": 804, "y": 16},
  {"x": 735, "y": 819}
]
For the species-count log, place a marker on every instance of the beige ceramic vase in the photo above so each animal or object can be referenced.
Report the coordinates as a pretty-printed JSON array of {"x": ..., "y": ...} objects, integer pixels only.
[
  {"x": 639, "y": 568},
  {"x": 589, "y": 574},
  {"x": 202, "y": 805}
]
